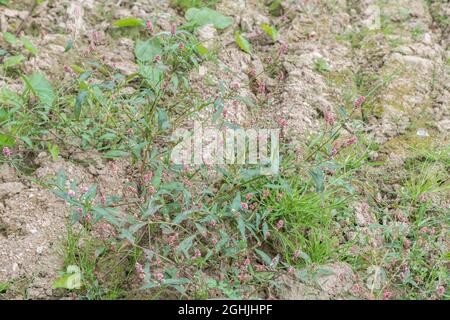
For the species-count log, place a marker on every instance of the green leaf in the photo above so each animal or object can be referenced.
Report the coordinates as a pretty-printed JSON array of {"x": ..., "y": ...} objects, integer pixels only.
[
  {"x": 242, "y": 42},
  {"x": 10, "y": 38},
  {"x": 202, "y": 16},
  {"x": 163, "y": 119},
  {"x": 241, "y": 226},
  {"x": 13, "y": 61},
  {"x": 116, "y": 154},
  {"x": 153, "y": 75},
  {"x": 29, "y": 45},
  {"x": 318, "y": 179},
  {"x": 4, "y": 285},
  {"x": 218, "y": 104},
  {"x": 79, "y": 102},
  {"x": 109, "y": 214},
  {"x": 305, "y": 256},
  {"x": 185, "y": 245},
  {"x": 70, "y": 280},
  {"x": 41, "y": 88},
  {"x": 236, "y": 205},
  {"x": 182, "y": 216},
  {"x": 9, "y": 97},
  {"x": 270, "y": 30},
  {"x": 129, "y": 22},
  {"x": 265, "y": 258},
  {"x": 4, "y": 2},
  {"x": 275, "y": 8},
  {"x": 69, "y": 45},
  {"x": 147, "y": 50},
  {"x": 54, "y": 150},
  {"x": 27, "y": 140},
  {"x": 201, "y": 49}
]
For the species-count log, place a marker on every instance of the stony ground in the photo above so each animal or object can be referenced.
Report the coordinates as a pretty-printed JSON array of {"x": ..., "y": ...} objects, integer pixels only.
[{"x": 408, "y": 57}]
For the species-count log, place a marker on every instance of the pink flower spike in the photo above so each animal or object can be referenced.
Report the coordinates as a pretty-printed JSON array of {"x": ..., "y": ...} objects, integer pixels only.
[
  {"x": 173, "y": 29},
  {"x": 159, "y": 276},
  {"x": 244, "y": 205},
  {"x": 7, "y": 152},
  {"x": 280, "y": 224},
  {"x": 71, "y": 193},
  {"x": 262, "y": 88},
  {"x": 282, "y": 122},
  {"x": 140, "y": 271},
  {"x": 359, "y": 102},
  {"x": 329, "y": 118},
  {"x": 148, "y": 177},
  {"x": 387, "y": 295},
  {"x": 350, "y": 141},
  {"x": 149, "y": 26}
]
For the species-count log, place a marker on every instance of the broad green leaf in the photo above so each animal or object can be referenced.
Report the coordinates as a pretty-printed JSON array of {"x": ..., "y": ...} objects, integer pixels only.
[
  {"x": 275, "y": 8},
  {"x": 13, "y": 61},
  {"x": 202, "y": 50},
  {"x": 129, "y": 22},
  {"x": 203, "y": 16},
  {"x": 152, "y": 74},
  {"x": 185, "y": 245},
  {"x": 318, "y": 179},
  {"x": 70, "y": 280},
  {"x": 163, "y": 119},
  {"x": 54, "y": 150},
  {"x": 27, "y": 140},
  {"x": 79, "y": 102},
  {"x": 270, "y": 30},
  {"x": 241, "y": 226},
  {"x": 77, "y": 69},
  {"x": 236, "y": 205},
  {"x": 147, "y": 50},
  {"x": 265, "y": 258},
  {"x": 10, "y": 38},
  {"x": 41, "y": 88},
  {"x": 29, "y": 45},
  {"x": 242, "y": 42},
  {"x": 182, "y": 216},
  {"x": 109, "y": 214}
]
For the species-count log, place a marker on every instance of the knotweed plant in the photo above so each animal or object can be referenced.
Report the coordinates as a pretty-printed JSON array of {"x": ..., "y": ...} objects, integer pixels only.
[{"x": 179, "y": 228}]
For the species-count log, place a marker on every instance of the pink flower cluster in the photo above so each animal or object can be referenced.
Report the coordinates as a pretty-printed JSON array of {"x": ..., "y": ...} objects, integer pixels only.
[
  {"x": 140, "y": 271},
  {"x": 329, "y": 118},
  {"x": 149, "y": 26},
  {"x": 280, "y": 224},
  {"x": 340, "y": 145},
  {"x": 7, "y": 152},
  {"x": 359, "y": 102}
]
